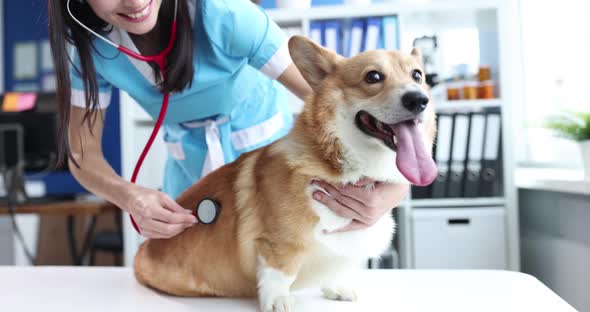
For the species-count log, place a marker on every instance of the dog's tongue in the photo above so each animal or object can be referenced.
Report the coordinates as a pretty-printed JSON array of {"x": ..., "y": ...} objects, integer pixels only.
[{"x": 413, "y": 160}]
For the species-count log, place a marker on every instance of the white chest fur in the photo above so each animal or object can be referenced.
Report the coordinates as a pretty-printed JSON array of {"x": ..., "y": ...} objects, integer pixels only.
[
  {"x": 358, "y": 244},
  {"x": 333, "y": 254}
]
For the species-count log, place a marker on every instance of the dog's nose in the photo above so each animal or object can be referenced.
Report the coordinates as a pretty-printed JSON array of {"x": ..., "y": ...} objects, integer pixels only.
[{"x": 415, "y": 101}]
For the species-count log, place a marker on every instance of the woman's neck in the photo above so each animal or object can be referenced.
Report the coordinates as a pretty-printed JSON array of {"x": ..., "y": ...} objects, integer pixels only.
[{"x": 152, "y": 42}]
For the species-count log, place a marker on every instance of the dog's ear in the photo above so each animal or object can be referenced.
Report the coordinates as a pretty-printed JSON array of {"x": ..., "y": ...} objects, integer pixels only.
[
  {"x": 417, "y": 54},
  {"x": 313, "y": 61}
]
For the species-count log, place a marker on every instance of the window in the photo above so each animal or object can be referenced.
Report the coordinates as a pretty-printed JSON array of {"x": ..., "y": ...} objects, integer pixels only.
[{"x": 556, "y": 65}]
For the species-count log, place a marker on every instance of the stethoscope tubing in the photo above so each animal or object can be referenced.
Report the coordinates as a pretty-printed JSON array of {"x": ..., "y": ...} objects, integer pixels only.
[{"x": 160, "y": 60}]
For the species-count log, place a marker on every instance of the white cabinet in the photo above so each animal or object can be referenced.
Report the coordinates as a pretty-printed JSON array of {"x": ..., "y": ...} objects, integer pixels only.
[{"x": 459, "y": 238}]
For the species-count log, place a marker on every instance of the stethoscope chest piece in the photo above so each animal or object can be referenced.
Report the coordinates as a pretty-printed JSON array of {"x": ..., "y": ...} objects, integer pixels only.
[{"x": 207, "y": 211}]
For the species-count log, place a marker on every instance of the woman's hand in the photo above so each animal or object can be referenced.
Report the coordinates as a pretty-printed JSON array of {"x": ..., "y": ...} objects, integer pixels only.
[
  {"x": 156, "y": 214},
  {"x": 364, "y": 203}
]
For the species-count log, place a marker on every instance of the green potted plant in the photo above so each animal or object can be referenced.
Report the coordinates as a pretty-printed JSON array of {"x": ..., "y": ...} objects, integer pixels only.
[{"x": 574, "y": 126}]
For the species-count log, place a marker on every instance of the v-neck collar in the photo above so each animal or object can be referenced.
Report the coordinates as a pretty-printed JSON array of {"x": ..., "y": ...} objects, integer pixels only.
[{"x": 121, "y": 37}]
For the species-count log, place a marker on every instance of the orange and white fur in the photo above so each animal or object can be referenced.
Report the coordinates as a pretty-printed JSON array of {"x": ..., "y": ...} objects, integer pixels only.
[{"x": 368, "y": 117}]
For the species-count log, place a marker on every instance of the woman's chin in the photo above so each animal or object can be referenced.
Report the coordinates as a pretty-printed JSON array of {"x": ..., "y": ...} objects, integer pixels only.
[{"x": 141, "y": 28}]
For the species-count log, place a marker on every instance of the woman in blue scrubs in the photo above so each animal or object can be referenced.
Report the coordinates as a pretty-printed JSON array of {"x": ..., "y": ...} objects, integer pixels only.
[{"x": 226, "y": 74}]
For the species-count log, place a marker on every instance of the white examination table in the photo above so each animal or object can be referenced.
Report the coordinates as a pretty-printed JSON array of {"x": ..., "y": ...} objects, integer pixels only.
[{"x": 60, "y": 289}]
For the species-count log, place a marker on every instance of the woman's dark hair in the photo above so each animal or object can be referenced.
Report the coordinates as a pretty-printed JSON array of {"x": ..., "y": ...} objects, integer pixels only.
[{"x": 63, "y": 30}]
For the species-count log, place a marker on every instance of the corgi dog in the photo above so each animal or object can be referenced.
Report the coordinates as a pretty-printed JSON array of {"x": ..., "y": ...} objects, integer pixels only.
[{"x": 368, "y": 116}]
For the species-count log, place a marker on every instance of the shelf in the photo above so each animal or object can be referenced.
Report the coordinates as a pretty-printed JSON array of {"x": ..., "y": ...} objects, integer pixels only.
[
  {"x": 468, "y": 105},
  {"x": 376, "y": 9},
  {"x": 458, "y": 202}
]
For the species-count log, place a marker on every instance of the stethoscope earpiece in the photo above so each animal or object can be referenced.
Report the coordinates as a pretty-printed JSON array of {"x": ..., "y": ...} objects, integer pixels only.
[{"x": 207, "y": 211}]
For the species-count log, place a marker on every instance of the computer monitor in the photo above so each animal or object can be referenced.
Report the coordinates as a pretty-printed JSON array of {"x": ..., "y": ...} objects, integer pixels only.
[
  {"x": 40, "y": 147},
  {"x": 39, "y": 129},
  {"x": 11, "y": 146}
]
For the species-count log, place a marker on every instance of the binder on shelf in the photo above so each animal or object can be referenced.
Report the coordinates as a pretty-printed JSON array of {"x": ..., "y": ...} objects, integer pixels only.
[
  {"x": 442, "y": 155},
  {"x": 345, "y": 25},
  {"x": 316, "y": 31},
  {"x": 332, "y": 36},
  {"x": 474, "y": 155},
  {"x": 491, "y": 163},
  {"x": 499, "y": 185},
  {"x": 390, "y": 33},
  {"x": 355, "y": 44},
  {"x": 421, "y": 192},
  {"x": 372, "y": 34},
  {"x": 459, "y": 151}
]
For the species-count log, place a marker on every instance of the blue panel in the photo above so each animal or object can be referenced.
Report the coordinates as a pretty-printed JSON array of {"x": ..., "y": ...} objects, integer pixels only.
[
  {"x": 29, "y": 17},
  {"x": 325, "y": 2},
  {"x": 272, "y": 4},
  {"x": 268, "y": 4}
]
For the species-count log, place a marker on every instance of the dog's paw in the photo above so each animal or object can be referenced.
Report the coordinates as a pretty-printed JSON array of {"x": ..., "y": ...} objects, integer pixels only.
[
  {"x": 339, "y": 293},
  {"x": 279, "y": 304}
]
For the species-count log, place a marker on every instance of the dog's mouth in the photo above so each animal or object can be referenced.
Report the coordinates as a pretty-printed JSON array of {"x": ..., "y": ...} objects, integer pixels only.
[
  {"x": 375, "y": 128},
  {"x": 412, "y": 158}
]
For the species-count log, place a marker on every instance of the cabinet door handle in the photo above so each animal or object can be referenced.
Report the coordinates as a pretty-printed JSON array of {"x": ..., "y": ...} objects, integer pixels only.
[{"x": 458, "y": 221}]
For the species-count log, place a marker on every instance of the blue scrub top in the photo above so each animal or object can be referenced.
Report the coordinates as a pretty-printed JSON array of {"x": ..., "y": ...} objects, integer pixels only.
[{"x": 231, "y": 106}]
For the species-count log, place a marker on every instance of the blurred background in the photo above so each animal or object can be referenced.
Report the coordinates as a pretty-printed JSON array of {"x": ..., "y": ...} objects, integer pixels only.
[{"x": 508, "y": 78}]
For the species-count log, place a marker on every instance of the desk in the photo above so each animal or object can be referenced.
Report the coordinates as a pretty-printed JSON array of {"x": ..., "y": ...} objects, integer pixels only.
[
  {"x": 33, "y": 289},
  {"x": 70, "y": 209},
  {"x": 553, "y": 180}
]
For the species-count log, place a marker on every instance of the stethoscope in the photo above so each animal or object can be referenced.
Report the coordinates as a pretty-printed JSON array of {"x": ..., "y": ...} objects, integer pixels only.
[{"x": 208, "y": 209}]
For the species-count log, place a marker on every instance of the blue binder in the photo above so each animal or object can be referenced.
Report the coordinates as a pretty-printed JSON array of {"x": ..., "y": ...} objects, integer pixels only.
[
  {"x": 316, "y": 32},
  {"x": 372, "y": 34},
  {"x": 391, "y": 33},
  {"x": 333, "y": 35},
  {"x": 357, "y": 34}
]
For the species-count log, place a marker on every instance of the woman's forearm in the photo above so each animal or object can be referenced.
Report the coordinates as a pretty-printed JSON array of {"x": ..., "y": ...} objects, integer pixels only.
[
  {"x": 94, "y": 172},
  {"x": 294, "y": 81},
  {"x": 97, "y": 176}
]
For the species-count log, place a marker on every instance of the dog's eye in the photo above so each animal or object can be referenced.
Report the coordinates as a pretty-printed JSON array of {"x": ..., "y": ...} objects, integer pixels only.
[
  {"x": 374, "y": 77},
  {"x": 417, "y": 76}
]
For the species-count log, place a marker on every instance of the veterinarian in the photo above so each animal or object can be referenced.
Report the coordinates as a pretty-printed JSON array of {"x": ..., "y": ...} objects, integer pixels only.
[{"x": 224, "y": 72}]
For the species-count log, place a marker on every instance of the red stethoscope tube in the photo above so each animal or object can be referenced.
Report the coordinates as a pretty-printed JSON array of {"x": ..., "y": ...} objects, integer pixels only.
[{"x": 160, "y": 60}]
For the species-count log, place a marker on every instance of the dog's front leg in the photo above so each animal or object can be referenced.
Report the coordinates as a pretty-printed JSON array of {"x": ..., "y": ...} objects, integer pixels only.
[{"x": 277, "y": 269}]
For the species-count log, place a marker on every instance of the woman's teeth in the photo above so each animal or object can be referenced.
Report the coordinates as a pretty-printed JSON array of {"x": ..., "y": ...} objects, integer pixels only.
[{"x": 140, "y": 14}]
